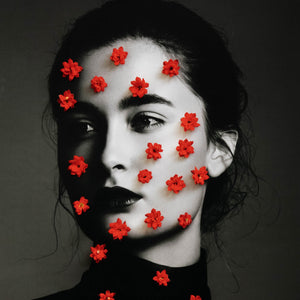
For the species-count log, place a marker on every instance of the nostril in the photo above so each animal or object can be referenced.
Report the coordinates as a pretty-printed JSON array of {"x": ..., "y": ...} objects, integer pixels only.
[{"x": 119, "y": 167}]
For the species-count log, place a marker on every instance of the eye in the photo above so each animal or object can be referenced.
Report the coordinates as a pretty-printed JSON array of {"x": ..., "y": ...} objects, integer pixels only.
[
  {"x": 76, "y": 128},
  {"x": 145, "y": 121}
]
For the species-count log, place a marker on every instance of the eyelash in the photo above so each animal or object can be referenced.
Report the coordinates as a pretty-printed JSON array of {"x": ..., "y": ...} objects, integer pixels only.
[{"x": 143, "y": 122}]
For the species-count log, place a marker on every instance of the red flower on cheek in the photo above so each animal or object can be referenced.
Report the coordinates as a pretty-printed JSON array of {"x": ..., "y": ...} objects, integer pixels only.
[
  {"x": 154, "y": 219},
  {"x": 118, "y": 229},
  {"x": 107, "y": 296},
  {"x": 98, "y": 84},
  {"x": 195, "y": 297},
  {"x": 66, "y": 100},
  {"x": 185, "y": 148},
  {"x": 162, "y": 278},
  {"x": 171, "y": 67},
  {"x": 189, "y": 121},
  {"x": 81, "y": 205},
  {"x": 98, "y": 253},
  {"x": 200, "y": 175},
  {"x": 144, "y": 176},
  {"x": 138, "y": 88},
  {"x": 118, "y": 56},
  {"x": 71, "y": 69},
  {"x": 175, "y": 184},
  {"x": 153, "y": 151},
  {"x": 77, "y": 165},
  {"x": 185, "y": 220}
]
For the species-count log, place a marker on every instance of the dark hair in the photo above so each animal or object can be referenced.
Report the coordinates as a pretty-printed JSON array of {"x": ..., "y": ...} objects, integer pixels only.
[{"x": 208, "y": 69}]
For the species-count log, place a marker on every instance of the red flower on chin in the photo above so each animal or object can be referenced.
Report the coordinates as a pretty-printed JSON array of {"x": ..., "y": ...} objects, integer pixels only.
[
  {"x": 153, "y": 151},
  {"x": 98, "y": 84},
  {"x": 195, "y": 297},
  {"x": 171, "y": 67},
  {"x": 98, "y": 253},
  {"x": 185, "y": 220},
  {"x": 175, "y": 184},
  {"x": 154, "y": 219},
  {"x": 71, "y": 69},
  {"x": 138, "y": 87},
  {"x": 200, "y": 175},
  {"x": 77, "y": 165},
  {"x": 66, "y": 100},
  {"x": 144, "y": 176},
  {"x": 118, "y": 229},
  {"x": 162, "y": 278},
  {"x": 118, "y": 56},
  {"x": 81, "y": 205},
  {"x": 107, "y": 296},
  {"x": 185, "y": 148},
  {"x": 189, "y": 121}
]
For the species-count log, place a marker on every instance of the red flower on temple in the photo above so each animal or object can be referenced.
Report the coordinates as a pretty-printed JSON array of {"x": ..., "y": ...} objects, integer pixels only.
[
  {"x": 107, "y": 296},
  {"x": 189, "y": 121},
  {"x": 144, "y": 176},
  {"x": 77, "y": 165},
  {"x": 66, "y": 100},
  {"x": 185, "y": 220},
  {"x": 195, "y": 297},
  {"x": 138, "y": 87},
  {"x": 175, "y": 184},
  {"x": 71, "y": 69},
  {"x": 200, "y": 175},
  {"x": 162, "y": 278},
  {"x": 118, "y": 229},
  {"x": 185, "y": 148},
  {"x": 98, "y": 253},
  {"x": 153, "y": 151},
  {"x": 118, "y": 56},
  {"x": 154, "y": 218},
  {"x": 81, "y": 205},
  {"x": 98, "y": 84},
  {"x": 171, "y": 67}
]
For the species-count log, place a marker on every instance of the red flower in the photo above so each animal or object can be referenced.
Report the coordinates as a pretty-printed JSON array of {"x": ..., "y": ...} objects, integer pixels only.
[
  {"x": 66, "y": 100},
  {"x": 81, "y": 205},
  {"x": 175, "y": 184},
  {"x": 98, "y": 84},
  {"x": 185, "y": 148},
  {"x": 189, "y": 121},
  {"x": 185, "y": 220},
  {"x": 195, "y": 297},
  {"x": 145, "y": 176},
  {"x": 118, "y": 229},
  {"x": 171, "y": 67},
  {"x": 71, "y": 69},
  {"x": 138, "y": 87},
  {"x": 107, "y": 296},
  {"x": 153, "y": 151},
  {"x": 118, "y": 56},
  {"x": 98, "y": 253},
  {"x": 161, "y": 278},
  {"x": 200, "y": 175},
  {"x": 77, "y": 165},
  {"x": 154, "y": 219}
]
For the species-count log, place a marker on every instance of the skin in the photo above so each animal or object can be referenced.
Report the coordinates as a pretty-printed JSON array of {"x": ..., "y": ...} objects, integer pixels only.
[{"x": 113, "y": 140}]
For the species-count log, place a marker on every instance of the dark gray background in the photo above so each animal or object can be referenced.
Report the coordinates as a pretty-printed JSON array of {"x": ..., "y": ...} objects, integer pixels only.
[{"x": 264, "y": 39}]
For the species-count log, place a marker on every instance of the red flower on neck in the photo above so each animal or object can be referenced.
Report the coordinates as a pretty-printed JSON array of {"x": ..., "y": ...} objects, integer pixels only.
[
  {"x": 71, "y": 69},
  {"x": 185, "y": 148},
  {"x": 195, "y": 297},
  {"x": 185, "y": 220},
  {"x": 81, "y": 205},
  {"x": 189, "y": 121},
  {"x": 162, "y": 278},
  {"x": 98, "y": 253},
  {"x": 175, "y": 184},
  {"x": 118, "y": 56},
  {"x": 200, "y": 175},
  {"x": 144, "y": 176},
  {"x": 138, "y": 87},
  {"x": 118, "y": 229},
  {"x": 98, "y": 84},
  {"x": 153, "y": 151},
  {"x": 107, "y": 296},
  {"x": 171, "y": 67},
  {"x": 66, "y": 100},
  {"x": 154, "y": 219},
  {"x": 77, "y": 165}
]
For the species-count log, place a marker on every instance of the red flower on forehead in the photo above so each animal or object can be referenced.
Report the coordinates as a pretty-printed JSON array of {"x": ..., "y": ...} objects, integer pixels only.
[
  {"x": 195, "y": 297},
  {"x": 162, "y": 278},
  {"x": 81, "y": 205},
  {"x": 98, "y": 84},
  {"x": 189, "y": 121},
  {"x": 144, "y": 176},
  {"x": 185, "y": 148},
  {"x": 175, "y": 184},
  {"x": 200, "y": 175},
  {"x": 118, "y": 56},
  {"x": 98, "y": 253},
  {"x": 185, "y": 220},
  {"x": 66, "y": 100},
  {"x": 71, "y": 69},
  {"x": 77, "y": 165},
  {"x": 171, "y": 67},
  {"x": 154, "y": 218},
  {"x": 118, "y": 229},
  {"x": 138, "y": 87},
  {"x": 107, "y": 296},
  {"x": 153, "y": 151}
]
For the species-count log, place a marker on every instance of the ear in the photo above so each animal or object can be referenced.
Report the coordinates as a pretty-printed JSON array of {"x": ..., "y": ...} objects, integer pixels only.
[{"x": 219, "y": 158}]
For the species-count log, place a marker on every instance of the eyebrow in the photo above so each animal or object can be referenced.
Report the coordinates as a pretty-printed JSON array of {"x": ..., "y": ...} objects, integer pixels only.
[{"x": 146, "y": 99}]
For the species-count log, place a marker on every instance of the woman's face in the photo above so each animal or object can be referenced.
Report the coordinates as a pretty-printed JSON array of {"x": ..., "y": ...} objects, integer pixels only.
[{"x": 111, "y": 130}]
